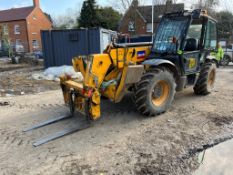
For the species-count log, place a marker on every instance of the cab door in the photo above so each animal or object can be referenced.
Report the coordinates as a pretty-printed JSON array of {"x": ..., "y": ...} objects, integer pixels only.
[{"x": 191, "y": 50}]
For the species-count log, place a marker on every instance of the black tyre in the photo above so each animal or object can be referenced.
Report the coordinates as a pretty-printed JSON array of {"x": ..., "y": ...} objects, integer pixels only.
[
  {"x": 225, "y": 61},
  {"x": 155, "y": 92},
  {"x": 206, "y": 81}
]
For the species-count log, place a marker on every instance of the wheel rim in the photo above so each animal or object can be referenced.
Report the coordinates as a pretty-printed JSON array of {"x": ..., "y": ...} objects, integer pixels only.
[
  {"x": 225, "y": 61},
  {"x": 160, "y": 93},
  {"x": 211, "y": 79}
]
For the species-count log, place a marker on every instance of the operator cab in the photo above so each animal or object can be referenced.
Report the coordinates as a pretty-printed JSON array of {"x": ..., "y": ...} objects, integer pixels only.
[
  {"x": 185, "y": 38},
  {"x": 202, "y": 34}
]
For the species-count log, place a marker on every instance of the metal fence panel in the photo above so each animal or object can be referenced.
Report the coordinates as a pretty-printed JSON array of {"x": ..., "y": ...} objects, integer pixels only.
[
  {"x": 106, "y": 37},
  {"x": 138, "y": 39}
]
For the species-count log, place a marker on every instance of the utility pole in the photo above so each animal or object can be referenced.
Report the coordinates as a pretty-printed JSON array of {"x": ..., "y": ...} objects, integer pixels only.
[
  {"x": 200, "y": 3},
  {"x": 152, "y": 22}
]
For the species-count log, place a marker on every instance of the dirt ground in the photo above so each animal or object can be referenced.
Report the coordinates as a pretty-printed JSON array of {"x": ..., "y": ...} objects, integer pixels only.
[
  {"x": 16, "y": 79},
  {"x": 122, "y": 141}
]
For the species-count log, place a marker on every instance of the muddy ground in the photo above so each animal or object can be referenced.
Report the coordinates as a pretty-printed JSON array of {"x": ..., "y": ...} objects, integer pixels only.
[{"x": 122, "y": 141}]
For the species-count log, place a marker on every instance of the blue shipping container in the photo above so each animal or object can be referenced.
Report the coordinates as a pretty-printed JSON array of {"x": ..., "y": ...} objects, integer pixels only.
[{"x": 60, "y": 46}]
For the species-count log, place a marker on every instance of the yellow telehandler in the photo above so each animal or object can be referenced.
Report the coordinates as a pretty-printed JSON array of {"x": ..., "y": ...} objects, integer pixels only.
[{"x": 180, "y": 56}]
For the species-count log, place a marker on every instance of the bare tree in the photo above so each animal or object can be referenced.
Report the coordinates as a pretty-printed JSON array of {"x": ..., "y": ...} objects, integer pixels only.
[
  {"x": 123, "y": 5},
  {"x": 206, "y": 4},
  {"x": 67, "y": 20}
]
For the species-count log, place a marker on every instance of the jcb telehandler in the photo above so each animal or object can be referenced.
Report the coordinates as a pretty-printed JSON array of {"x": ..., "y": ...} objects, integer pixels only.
[{"x": 180, "y": 56}]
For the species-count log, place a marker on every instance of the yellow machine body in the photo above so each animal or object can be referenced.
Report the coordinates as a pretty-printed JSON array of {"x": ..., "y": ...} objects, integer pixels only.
[{"x": 109, "y": 74}]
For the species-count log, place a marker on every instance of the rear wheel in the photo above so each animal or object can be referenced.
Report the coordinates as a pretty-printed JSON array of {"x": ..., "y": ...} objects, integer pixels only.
[
  {"x": 225, "y": 61},
  {"x": 206, "y": 81},
  {"x": 155, "y": 92}
]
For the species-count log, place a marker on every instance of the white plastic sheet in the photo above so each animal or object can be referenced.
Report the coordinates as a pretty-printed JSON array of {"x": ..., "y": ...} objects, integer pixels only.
[{"x": 53, "y": 73}]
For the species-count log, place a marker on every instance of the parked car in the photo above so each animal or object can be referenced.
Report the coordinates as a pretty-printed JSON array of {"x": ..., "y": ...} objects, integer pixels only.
[
  {"x": 228, "y": 55},
  {"x": 4, "y": 53}
]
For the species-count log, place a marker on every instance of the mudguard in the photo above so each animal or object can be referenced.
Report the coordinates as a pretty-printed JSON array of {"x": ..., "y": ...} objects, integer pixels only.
[
  {"x": 166, "y": 63},
  {"x": 212, "y": 58},
  {"x": 157, "y": 62}
]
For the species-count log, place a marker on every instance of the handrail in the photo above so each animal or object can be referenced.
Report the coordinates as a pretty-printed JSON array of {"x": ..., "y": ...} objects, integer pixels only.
[{"x": 116, "y": 45}]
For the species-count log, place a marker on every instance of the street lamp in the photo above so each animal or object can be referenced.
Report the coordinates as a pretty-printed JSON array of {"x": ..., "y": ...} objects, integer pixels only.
[{"x": 152, "y": 22}]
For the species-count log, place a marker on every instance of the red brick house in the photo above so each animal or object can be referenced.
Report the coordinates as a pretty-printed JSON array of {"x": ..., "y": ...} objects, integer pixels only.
[
  {"x": 138, "y": 19},
  {"x": 22, "y": 26}
]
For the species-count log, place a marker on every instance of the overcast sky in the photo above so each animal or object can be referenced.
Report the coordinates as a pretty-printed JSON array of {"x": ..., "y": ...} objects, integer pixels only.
[
  {"x": 59, "y": 7},
  {"x": 224, "y": 4}
]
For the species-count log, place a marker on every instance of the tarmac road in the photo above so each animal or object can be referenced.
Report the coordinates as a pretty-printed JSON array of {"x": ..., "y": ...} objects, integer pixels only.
[{"x": 122, "y": 141}]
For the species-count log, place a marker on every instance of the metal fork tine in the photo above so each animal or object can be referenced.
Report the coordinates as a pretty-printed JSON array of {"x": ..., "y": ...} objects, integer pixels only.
[
  {"x": 60, "y": 134},
  {"x": 45, "y": 123}
]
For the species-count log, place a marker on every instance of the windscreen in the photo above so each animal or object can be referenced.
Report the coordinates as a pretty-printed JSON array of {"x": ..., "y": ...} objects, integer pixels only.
[{"x": 169, "y": 31}]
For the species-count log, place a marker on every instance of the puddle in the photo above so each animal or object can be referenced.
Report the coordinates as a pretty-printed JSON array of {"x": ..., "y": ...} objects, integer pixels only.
[
  {"x": 217, "y": 160},
  {"x": 10, "y": 93},
  {"x": 5, "y": 103}
]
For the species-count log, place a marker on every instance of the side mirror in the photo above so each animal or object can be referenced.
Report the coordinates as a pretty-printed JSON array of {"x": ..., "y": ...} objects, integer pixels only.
[{"x": 174, "y": 40}]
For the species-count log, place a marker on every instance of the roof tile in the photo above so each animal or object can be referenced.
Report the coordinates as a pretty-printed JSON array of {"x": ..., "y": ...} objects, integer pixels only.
[{"x": 15, "y": 14}]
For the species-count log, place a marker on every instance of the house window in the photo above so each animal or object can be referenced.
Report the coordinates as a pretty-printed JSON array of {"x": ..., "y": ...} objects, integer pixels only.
[
  {"x": 131, "y": 26},
  {"x": 149, "y": 27},
  {"x": 19, "y": 46},
  {"x": 17, "y": 42},
  {"x": 35, "y": 44},
  {"x": 5, "y": 30},
  {"x": 34, "y": 17},
  {"x": 17, "y": 29}
]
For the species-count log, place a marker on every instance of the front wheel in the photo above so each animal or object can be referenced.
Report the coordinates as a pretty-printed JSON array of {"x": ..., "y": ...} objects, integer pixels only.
[
  {"x": 155, "y": 92},
  {"x": 206, "y": 81}
]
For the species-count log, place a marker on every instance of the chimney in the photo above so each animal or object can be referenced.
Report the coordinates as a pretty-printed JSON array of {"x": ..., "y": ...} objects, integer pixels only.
[{"x": 36, "y": 3}]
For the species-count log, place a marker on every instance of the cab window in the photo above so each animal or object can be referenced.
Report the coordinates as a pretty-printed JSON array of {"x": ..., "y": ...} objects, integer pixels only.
[
  {"x": 211, "y": 35},
  {"x": 193, "y": 38},
  {"x": 195, "y": 31}
]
